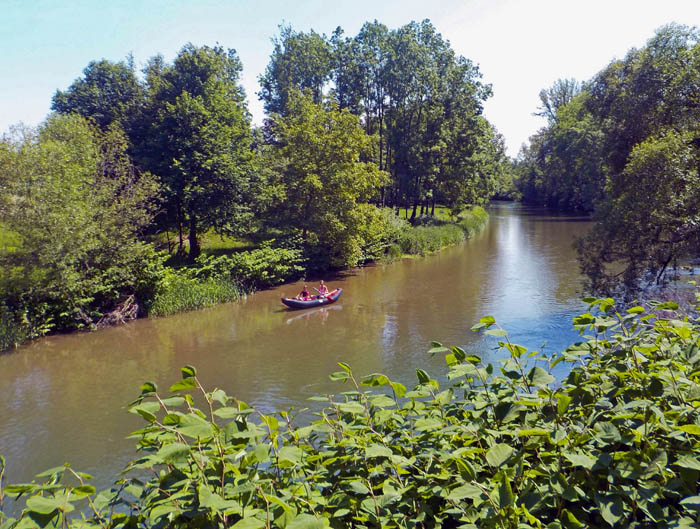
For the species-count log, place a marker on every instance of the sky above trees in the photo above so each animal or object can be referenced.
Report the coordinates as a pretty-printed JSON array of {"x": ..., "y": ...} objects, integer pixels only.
[{"x": 521, "y": 47}]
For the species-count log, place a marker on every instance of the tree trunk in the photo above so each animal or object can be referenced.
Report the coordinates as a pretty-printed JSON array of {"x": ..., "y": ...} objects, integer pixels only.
[
  {"x": 415, "y": 209},
  {"x": 180, "y": 242},
  {"x": 195, "y": 250},
  {"x": 432, "y": 211}
]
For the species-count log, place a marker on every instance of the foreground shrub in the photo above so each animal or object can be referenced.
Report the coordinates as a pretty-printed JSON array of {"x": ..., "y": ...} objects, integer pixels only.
[{"x": 615, "y": 444}]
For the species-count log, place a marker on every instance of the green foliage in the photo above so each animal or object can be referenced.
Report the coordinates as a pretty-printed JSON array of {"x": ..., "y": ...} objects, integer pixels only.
[
  {"x": 324, "y": 181},
  {"x": 422, "y": 240},
  {"x": 299, "y": 61},
  {"x": 614, "y": 444},
  {"x": 12, "y": 330},
  {"x": 563, "y": 165},
  {"x": 183, "y": 290},
  {"x": 260, "y": 268},
  {"x": 419, "y": 101},
  {"x": 199, "y": 142},
  {"x": 76, "y": 207},
  {"x": 627, "y": 148},
  {"x": 377, "y": 231},
  {"x": 106, "y": 93},
  {"x": 436, "y": 234},
  {"x": 649, "y": 220},
  {"x": 212, "y": 280}
]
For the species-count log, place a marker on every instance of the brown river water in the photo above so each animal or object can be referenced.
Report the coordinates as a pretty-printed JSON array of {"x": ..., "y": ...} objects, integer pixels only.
[{"x": 63, "y": 398}]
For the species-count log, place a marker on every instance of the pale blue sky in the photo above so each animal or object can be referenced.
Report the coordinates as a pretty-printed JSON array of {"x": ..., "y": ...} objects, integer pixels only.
[{"x": 521, "y": 46}]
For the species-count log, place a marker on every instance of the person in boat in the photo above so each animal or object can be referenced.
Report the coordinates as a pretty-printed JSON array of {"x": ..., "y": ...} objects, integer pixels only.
[
  {"x": 322, "y": 289},
  {"x": 304, "y": 294}
]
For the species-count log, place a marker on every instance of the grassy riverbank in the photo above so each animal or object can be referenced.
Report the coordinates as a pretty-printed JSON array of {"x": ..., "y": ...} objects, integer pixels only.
[
  {"x": 230, "y": 268},
  {"x": 432, "y": 234}
]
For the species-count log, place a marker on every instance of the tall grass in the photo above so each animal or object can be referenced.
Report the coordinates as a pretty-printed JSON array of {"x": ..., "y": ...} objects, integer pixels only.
[
  {"x": 436, "y": 233},
  {"x": 180, "y": 294}
]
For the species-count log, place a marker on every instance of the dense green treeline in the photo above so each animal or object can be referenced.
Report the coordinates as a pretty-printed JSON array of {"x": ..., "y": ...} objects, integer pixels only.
[
  {"x": 625, "y": 146},
  {"x": 133, "y": 162},
  {"x": 421, "y": 101}
]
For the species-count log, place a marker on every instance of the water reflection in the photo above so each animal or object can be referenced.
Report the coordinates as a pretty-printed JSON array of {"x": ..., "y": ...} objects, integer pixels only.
[
  {"x": 320, "y": 312},
  {"x": 64, "y": 397}
]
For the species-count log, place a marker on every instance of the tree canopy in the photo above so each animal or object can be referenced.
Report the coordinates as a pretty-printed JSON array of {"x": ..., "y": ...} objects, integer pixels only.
[
  {"x": 78, "y": 207},
  {"x": 200, "y": 141},
  {"x": 627, "y": 148},
  {"x": 420, "y": 100},
  {"x": 324, "y": 178},
  {"x": 107, "y": 92}
]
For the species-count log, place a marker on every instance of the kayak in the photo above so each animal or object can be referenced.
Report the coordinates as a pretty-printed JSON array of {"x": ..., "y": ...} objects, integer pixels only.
[{"x": 314, "y": 301}]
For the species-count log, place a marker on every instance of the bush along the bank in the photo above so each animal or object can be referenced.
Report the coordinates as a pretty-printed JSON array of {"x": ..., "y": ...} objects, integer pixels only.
[
  {"x": 214, "y": 280},
  {"x": 615, "y": 444},
  {"x": 430, "y": 235}
]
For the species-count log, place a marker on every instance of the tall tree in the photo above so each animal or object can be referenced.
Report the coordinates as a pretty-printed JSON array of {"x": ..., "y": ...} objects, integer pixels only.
[
  {"x": 564, "y": 166},
  {"x": 648, "y": 106},
  {"x": 324, "y": 179},
  {"x": 403, "y": 84},
  {"x": 201, "y": 141},
  {"x": 558, "y": 95},
  {"x": 78, "y": 206},
  {"x": 299, "y": 61},
  {"x": 652, "y": 217},
  {"x": 107, "y": 92}
]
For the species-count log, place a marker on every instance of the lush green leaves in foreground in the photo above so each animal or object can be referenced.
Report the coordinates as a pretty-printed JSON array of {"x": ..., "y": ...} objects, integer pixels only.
[{"x": 614, "y": 445}]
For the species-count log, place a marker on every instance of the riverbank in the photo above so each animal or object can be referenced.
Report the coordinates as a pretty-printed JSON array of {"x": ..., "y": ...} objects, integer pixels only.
[{"x": 216, "y": 279}]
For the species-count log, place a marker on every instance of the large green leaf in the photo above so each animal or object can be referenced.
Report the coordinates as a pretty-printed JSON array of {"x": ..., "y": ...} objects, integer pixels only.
[
  {"x": 581, "y": 460},
  {"x": 174, "y": 452},
  {"x": 377, "y": 450},
  {"x": 307, "y": 521},
  {"x": 498, "y": 454},
  {"x": 192, "y": 425},
  {"x": 506, "y": 498},
  {"x": 185, "y": 383},
  {"x": 48, "y": 504},
  {"x": 539, "y": 377},
  {"x": 612, "y": 509},
  {"x": 290, "y": 454},
  {"x": 563, "y": 401},
  {"x": 248, "y": 523},
  {"x": 351, "y": 407},
  {"x": 688, "y": 461},
  {"x": 467, "y": 490},
  {"x": 188, "y": 372},
  {"x": 693, "y": 429},
  {"x": 607, "y": 432},
  {"x": 428, "y": 423}
]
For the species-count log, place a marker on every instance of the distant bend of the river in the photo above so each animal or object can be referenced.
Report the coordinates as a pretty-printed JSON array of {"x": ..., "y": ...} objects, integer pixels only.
[{"x": 64, "y": 398}]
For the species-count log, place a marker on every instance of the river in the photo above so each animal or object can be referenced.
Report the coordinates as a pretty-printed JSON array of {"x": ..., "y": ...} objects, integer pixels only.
[{"x": 64, "y": 398}]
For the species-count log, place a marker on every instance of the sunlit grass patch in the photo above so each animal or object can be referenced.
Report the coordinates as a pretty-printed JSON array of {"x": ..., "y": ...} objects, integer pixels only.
[
  {"x": 9, "y": 240},
  {"x": 178, "y": 293}
]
